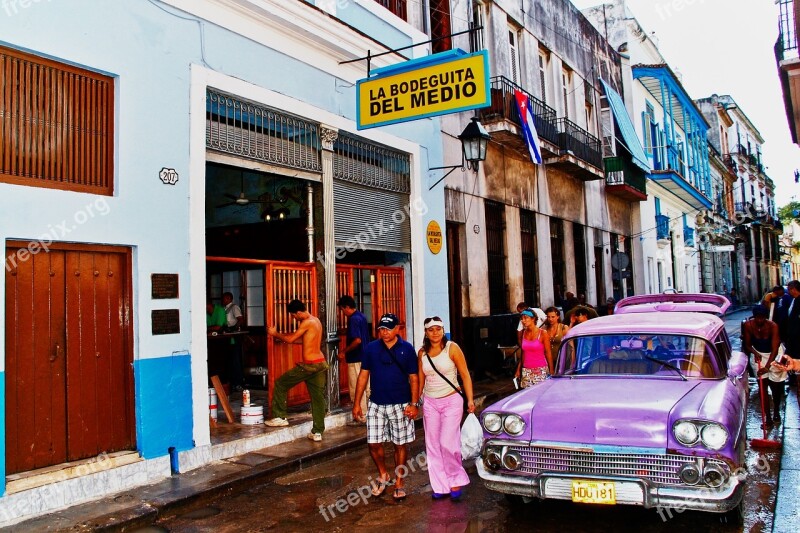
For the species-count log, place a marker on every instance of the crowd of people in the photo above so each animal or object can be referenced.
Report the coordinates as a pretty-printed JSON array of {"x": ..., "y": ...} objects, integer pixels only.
[
  {"x": 772, "y": 338},
  {"x": 390, "y": 382}
]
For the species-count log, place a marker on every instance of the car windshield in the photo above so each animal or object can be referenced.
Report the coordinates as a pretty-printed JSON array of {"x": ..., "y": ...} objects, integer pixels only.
[{"x": 677, "y": 356}]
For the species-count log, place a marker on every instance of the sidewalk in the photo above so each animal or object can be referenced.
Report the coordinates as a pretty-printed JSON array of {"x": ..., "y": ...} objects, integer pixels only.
[
  {"x": 787, "y": 499},
  {"x": 142, "y": 506}
]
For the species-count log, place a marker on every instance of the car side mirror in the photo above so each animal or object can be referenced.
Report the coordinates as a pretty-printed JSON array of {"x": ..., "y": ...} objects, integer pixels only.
[{"x": 737, "y": 365}]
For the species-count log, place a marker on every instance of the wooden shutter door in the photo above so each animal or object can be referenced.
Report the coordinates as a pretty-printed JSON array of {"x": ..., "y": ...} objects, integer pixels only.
[
  {"x": 99, "y": 372},
  {"x": 344, "y": 285},
  {"x": 35, "y": 361},
  {"x": 390, "y": 290}
]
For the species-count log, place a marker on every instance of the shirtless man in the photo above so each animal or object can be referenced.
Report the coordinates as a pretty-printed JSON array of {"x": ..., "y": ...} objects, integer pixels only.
[{"x": 312, "y": 370}]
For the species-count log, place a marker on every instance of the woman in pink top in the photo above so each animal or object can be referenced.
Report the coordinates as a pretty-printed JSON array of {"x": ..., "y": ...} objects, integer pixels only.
[
  {"x": 536, "y": 362},
  {"x": 440, "y": 364}
]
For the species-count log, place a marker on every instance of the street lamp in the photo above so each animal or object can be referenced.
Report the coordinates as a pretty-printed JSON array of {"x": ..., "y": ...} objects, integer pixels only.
[{"x": 474, "y": 140}]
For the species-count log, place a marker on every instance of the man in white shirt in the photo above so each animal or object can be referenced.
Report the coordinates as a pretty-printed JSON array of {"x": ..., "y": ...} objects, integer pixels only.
[{"x": 235, "y": 321}]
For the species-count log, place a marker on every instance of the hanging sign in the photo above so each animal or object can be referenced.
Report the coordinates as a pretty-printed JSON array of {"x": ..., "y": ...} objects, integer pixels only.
[
  {"x": 448, "y": 82},
  {"x": 434, "y": 235}
]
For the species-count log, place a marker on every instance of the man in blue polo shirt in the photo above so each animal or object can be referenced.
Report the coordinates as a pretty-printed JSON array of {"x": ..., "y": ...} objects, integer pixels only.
[
  {"x": 390, "y": 364},
  {"x": 358, "y": 338}
]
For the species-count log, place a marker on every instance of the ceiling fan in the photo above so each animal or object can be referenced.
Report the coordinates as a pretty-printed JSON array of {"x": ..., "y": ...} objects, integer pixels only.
[{"x": 242, "y": 199}]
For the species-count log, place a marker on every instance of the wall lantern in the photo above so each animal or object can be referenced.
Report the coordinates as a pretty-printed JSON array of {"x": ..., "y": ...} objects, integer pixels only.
[{"x": 474, "y": 140}]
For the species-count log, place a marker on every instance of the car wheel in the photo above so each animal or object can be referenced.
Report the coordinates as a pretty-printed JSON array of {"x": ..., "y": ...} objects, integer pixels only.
[{"x": 735, "y": 516}]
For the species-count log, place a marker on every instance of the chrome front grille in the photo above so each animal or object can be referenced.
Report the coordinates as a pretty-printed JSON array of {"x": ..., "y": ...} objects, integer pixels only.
[{"x": 659, "y": 468}]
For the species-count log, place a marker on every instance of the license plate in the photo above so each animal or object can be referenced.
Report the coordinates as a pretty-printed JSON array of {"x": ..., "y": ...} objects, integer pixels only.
[{"x": 593, "y": 492}]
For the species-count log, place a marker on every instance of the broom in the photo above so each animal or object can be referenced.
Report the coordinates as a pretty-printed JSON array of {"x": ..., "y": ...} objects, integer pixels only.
[{"x": 764, "y": 443}]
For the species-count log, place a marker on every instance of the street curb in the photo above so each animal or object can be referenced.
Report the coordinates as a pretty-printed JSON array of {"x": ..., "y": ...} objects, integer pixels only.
[{"x": 183, "y": 499}]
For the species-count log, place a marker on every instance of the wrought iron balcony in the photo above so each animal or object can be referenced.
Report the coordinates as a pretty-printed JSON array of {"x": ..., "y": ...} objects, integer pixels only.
[
  {"x": 585, "y": 146},
  {"x": 688, "y": 236},
  {"x": 662, "y": 227},
  {"x": 745, "y": 211},
  {"x": 787, "y": 45},
  {"x": 624, "y": 179},
  {"x": 730, "y": 163},
  {"x": 501, "y": 118}
]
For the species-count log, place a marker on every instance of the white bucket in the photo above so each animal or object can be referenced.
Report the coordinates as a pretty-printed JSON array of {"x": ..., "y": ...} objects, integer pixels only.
[
  {"x": 252, "y": 415},
  {"x": 212, "y": 403}
]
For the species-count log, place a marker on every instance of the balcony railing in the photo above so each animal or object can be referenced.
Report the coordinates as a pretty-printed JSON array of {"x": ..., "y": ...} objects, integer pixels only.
[
  {"x": 619, "y": 171},
  {"x": 504, "y": 106},
  {"x": 688, "y": 236},
  {"x": 662, "y": 227},
  {"x": 730, "y": 163},
  {"x": 580, "y": 142},
  {"x": 786, "y": 47}
]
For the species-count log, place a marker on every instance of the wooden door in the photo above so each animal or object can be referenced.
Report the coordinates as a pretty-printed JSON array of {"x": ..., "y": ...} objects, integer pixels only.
[
  {"x": 454, "y": 281},
  {"x": 286, "y": 282},
  {"x": 69, "y": 355},
  {"x": 99, "y": 369},
  {"x": 390, "y": 296},
  {"x": 36, "y": 410},
  {"x": 344, "y": 285}
]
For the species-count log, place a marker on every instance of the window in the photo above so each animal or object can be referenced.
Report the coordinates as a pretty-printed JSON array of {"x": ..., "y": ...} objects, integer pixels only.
[
  {"x": 476, "y": 38},
  {"x": 440, "y": 25},
  {"x": 557, "y": 258},
  {"x": 398, "y": 7},
  {"x": 544, "y": 59},
  {"x": 56, "y": 125},
  {"x": 496, "y": 259},
  {"x": 648, "y": 127},
  {"x": 566, "y": 85},
  {"x": 590, "y": 119},
  {"x": 513, "y": 55},
  {"x": 530, "y": 273}
]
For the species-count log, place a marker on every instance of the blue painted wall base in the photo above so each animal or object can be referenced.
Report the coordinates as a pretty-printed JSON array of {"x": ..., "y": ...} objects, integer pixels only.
[{"x": 163, "y": 405}]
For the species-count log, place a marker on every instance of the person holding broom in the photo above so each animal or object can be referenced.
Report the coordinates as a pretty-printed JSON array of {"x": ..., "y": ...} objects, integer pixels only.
[{"x": 762, "y": 341}]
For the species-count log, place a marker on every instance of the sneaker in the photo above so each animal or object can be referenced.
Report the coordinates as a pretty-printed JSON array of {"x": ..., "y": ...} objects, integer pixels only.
[
  {"x": 276, "y": 422},
  {"x": 316, "y": 437}
]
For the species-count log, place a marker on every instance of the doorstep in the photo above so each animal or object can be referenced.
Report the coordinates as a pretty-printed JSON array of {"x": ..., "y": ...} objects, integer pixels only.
[{"x": 66, "y": 471}]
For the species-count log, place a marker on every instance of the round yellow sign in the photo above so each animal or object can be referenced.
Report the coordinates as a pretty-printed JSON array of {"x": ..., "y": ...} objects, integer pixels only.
[{"x": 434, "y": 235}]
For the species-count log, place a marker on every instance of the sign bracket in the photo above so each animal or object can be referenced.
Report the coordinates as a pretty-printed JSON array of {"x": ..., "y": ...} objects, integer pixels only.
[{"x": 370, "y": 55}]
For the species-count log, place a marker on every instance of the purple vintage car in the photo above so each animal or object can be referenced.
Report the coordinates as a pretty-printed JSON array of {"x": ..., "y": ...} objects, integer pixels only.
[{"x": 645, "y": 408}]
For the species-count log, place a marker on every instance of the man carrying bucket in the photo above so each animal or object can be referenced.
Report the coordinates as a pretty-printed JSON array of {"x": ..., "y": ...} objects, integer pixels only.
[{"x": 312, "y": 371}]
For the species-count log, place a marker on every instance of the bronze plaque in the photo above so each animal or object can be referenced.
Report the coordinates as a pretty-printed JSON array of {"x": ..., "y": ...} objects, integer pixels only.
[
  {"x": 164, "y": 286},
  {"x": 166, "y": 321}
]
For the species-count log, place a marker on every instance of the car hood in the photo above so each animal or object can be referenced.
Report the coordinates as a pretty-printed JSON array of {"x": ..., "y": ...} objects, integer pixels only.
[{"x": 605, "y": 412}]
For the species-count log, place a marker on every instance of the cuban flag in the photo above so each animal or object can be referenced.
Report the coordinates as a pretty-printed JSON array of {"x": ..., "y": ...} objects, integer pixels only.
[{"x": 528, "y": 128}]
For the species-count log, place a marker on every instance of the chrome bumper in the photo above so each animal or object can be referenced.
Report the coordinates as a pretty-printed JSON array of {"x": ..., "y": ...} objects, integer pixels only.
[{"x": 629, "y": 491}]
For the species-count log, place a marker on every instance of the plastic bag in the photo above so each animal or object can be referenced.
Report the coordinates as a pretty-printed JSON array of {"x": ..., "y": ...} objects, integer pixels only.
[{"x": 471, "y": 437}]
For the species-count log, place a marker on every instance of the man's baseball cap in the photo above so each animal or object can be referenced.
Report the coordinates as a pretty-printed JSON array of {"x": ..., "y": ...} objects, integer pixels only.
[{"x": 388, "y": 321}]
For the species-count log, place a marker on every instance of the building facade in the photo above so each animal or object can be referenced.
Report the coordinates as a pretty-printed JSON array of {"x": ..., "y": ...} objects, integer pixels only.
[
  {"x": 519, "y": 231},
  {"x": 164, "y": 153},
  {"x": 674, "y": 135},
  {"x": 755, "y": 221}
]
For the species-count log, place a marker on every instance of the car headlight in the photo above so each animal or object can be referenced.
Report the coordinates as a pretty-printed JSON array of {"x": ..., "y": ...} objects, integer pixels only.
[
  {"x": 513, "y": 425},
  {"x": 492, "y": 422},
  {"x": 686, "y": 432},
  {"x": 713, "y": 436}
]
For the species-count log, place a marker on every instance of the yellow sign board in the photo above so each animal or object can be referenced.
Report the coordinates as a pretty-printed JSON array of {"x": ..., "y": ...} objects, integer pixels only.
[
  {"x": 436, "y": 85},
  {"x": 434, "y": 235}
]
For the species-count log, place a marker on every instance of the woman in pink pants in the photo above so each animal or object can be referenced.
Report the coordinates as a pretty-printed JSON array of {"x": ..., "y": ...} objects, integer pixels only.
[{"x": 440, "y": 364}]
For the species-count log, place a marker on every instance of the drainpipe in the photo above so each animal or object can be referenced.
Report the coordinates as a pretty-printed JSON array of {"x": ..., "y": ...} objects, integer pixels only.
[{"x": 310, "y": 221}]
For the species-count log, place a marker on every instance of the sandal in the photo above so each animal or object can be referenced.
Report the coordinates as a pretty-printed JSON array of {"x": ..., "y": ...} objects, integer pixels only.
[
  {"x": 399, "y": 494},
  {"x": 379, "y": 486}
]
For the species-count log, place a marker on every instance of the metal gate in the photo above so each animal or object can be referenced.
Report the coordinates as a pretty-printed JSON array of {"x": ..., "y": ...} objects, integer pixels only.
[{"x": 387, "y": 287}]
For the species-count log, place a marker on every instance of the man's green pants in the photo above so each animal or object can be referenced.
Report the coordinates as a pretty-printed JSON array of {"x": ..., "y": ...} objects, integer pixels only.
[{"x": 315, "y": 379}]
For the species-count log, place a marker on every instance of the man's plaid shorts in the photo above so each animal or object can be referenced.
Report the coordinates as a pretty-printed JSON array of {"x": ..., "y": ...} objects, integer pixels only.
[{"x": 388, "y": 423}]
